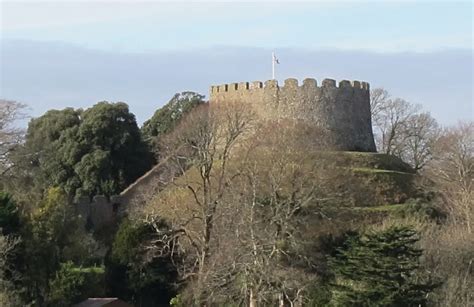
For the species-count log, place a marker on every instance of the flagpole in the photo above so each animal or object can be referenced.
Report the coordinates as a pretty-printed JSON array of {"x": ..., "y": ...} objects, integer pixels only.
[{"x": 273, "y": 65}]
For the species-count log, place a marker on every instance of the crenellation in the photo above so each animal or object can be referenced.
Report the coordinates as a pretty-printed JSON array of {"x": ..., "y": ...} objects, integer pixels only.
[
  {"x": 256, "y": 85},
  {"x": 329, "y": 83},
  {"x": 345, "y": 84},
  {"x": 342, "y": 109},
  {"x": 243, "y": 86},
  {"x": 356, "y": 84},
  {"x": 310, "y": 83},
  {"x": 291, "y": 82},
  {"x": 271, "y": 84}
]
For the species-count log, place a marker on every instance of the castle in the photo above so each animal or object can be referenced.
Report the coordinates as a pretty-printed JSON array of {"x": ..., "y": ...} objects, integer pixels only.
[{"x": 341, "y": 111}]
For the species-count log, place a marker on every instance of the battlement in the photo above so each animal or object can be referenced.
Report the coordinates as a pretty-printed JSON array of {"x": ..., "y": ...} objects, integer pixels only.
[
  {"x": 340, "y": 109},
  {"x": 288, "y": 83}
]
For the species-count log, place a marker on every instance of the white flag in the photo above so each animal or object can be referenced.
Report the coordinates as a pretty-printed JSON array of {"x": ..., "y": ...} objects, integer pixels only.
[{"x": 277, "y": 61}]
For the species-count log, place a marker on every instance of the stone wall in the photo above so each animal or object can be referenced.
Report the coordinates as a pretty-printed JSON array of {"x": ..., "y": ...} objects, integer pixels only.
[
  {"x": 104, "y": 212},
  {"x": 342, "y": 111},
  {"x": 100, "y": 212}
]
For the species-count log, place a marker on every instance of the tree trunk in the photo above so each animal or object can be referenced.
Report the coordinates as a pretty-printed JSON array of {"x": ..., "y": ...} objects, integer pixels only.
[
  {"x": 281, "y": 299},
  {"x": 253, "y": 301}
]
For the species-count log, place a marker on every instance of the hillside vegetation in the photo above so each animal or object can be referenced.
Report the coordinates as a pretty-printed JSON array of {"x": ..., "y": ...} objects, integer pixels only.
[{"x": 250, "y": 212}]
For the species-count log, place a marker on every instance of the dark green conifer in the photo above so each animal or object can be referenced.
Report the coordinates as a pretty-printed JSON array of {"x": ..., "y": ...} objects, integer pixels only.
[{"x": 379, "y": 269}]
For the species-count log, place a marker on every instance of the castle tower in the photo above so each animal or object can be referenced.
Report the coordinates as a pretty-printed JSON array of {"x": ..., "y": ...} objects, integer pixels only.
[{"x": 341, "y": 111}]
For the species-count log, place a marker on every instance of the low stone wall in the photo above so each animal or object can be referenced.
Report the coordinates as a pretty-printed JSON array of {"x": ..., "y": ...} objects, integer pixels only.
[{"x": 103, "y": 211}]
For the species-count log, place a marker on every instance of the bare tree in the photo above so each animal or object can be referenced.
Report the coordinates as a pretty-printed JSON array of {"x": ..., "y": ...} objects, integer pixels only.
[
  {"x": 280, "y": 184},
  {"x": 390, "y": 117},
  {"x": 283, "y": 182},
  {"x": 239, "y": 205},
  {"x": 10, "y": 136},
  {"x": 420, "y": 135},
  {"x": 378, "y": 99},
  {"x": 200, "y": 150},
  {"x": 452, "y": 169},
  {"x": 402, "y": 130}
]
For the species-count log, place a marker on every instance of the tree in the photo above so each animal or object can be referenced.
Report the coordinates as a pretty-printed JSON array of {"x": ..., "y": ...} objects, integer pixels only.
[
  {"x": 283, "y": 185},
  {"x": 166, "y": 118},
  {"x": 379, "y": 269},
  {"x": 9, "y": 215},
  {"x": 73, "y": 284},
  {"x": 402, "y": 130},
  {"x": 112, "y": 152},
  {"x": 11, "y": 251},
  {"x": 10, "y": 136},
  {"x": 452, "y": 169},
  {"x": 9, "y": 295},
  {"x": 201, "y": 146},
  {"x": 54, "y": 235},
  {"x": 135, "y": 273},
  {"x": 421, "y": 133},
  {"x": 389, "y": 117},
  {"x": 237, "y": 208},
  {"x": 87, "y": 153}
]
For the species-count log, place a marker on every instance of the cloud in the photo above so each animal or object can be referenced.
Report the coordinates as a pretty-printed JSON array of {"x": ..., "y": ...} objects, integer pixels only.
[{"x": 49, "y": 75}]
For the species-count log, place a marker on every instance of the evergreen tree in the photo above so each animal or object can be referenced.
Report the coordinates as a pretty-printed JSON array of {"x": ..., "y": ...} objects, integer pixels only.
[
  {"x": 379, "y": 269},
  {"x": 167, "y": 117},
  {"x": 136, "y": 275},
  {"x": 9, "y": 216},
  {"x": 86, "y": 153}
]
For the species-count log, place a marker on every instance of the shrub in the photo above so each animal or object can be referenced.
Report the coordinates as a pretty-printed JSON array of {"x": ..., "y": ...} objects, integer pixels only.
[{"x": 73, "y": 284}]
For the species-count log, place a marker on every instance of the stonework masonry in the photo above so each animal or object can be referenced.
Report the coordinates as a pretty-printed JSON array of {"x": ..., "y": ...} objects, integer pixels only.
[
  {"x": 342, "y": 111},
  {"x": 104, "y": 212}
]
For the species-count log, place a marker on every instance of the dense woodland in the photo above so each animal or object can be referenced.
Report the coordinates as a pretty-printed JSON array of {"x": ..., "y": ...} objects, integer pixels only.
[{"x": 256, "y": 214}]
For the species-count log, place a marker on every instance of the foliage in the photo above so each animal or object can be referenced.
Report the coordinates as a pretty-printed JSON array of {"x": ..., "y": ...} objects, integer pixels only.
[
  {"x": 243, "y": 216},
  {"x": 73, "y": 284},
  {"x": 135, "y": 275},
  {"x": 422, "y": 209},
  {"x": 91, "y": 152},
  {"x": 166, "y": 118},
  {"x": 319, "y": 295},
  {"x": 379, "y": 269},
  {"x": 9, "y": 216},
  {"x": 9, "y": 276},
  {"x": 55, "y": 234},
  {"x": 10, "y": 252}
]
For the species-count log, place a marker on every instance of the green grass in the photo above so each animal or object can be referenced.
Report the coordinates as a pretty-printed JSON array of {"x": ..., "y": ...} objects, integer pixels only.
[
  {"x": 378, "y": 171},
  {"x": 384, "y": 208},
  {"x": 366, "y": 160},
  {"x": 95, "y": 269}
]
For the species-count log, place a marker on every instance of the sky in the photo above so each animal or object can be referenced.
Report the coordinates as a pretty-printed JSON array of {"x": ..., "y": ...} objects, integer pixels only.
[{"x": 65, "y": 53}]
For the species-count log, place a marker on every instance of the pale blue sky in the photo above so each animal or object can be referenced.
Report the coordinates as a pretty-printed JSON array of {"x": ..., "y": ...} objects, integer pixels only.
[
  {"x": 385, "y": 26},
  {"x": 64, "y": 53}
]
